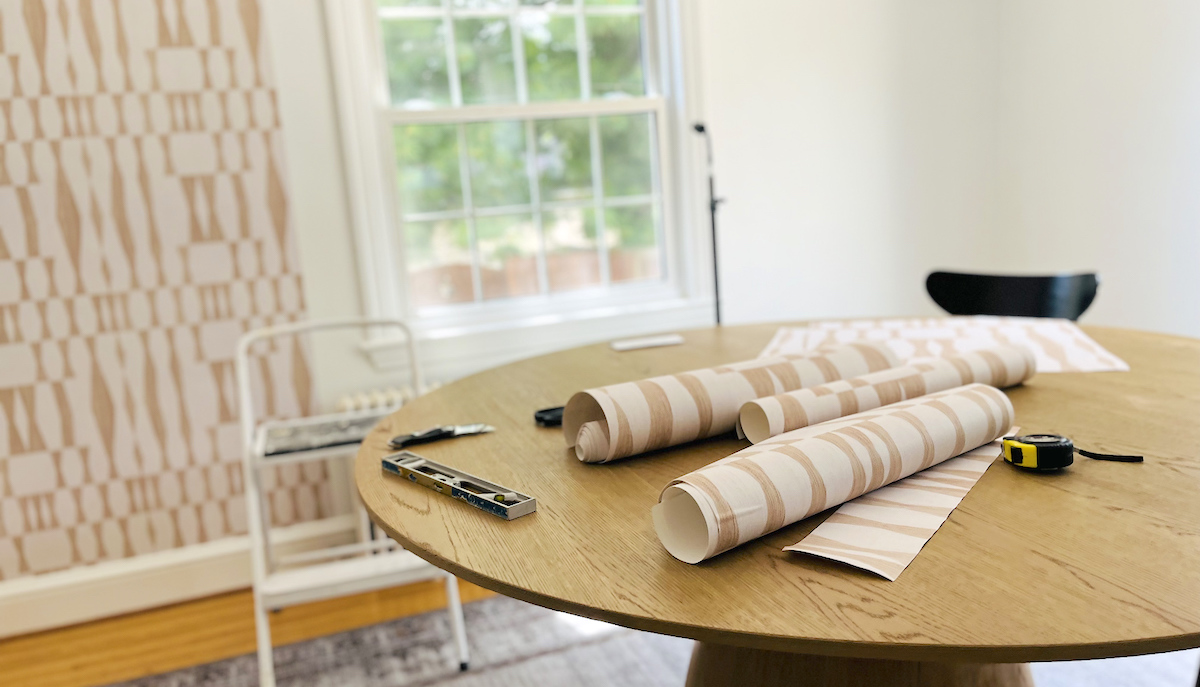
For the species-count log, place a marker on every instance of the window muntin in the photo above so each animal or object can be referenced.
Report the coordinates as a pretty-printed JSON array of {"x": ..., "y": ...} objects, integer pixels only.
[{"x": 550, "y": 191}]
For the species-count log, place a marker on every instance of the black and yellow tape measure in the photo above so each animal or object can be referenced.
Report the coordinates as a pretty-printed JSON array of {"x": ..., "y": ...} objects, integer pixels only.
[{"x": 1048, "y": 452}]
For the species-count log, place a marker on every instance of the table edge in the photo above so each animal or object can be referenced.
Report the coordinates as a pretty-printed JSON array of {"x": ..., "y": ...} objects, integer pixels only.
[{"x": 866, "y": 649}]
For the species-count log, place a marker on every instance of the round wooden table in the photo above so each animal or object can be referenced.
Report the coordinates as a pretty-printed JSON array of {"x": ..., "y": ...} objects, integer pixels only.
[{"x": 1101, "y": 560}]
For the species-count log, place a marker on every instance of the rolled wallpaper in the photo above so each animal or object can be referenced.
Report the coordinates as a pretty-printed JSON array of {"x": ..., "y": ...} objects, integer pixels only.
[
  {"x": 999, "y": 366},
  {"x": 622, "y": 420},
  {"x": 792, "y": 476}
]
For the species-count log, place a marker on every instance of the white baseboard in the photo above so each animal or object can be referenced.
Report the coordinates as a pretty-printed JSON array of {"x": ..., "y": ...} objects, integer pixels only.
[{"x": 43, "y": 602}]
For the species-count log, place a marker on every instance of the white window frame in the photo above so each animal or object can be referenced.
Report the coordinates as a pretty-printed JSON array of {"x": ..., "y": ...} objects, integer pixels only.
[{"x": 510, "y": 328}]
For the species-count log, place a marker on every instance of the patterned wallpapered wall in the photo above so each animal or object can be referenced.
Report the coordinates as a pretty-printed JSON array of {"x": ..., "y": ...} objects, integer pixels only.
[{"x": 143, "y": 227}]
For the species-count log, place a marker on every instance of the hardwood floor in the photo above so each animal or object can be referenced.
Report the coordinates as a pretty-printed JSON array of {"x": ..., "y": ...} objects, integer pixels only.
[{"x": 196, "y": 632}]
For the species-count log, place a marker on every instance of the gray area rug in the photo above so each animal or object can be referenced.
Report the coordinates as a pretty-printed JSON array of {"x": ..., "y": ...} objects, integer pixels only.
[{"x": 516, "y": 644}]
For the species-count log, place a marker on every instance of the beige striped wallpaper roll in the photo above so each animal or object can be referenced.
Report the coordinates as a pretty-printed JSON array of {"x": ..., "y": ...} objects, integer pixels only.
[
  {"x": 999, "y": 366},
  {"x": 795, "y": 475},
  {"x": 622, "y": 420}
]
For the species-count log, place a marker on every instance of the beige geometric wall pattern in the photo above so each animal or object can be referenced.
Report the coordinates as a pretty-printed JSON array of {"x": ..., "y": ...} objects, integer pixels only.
[{"x": 143, "y": 228}]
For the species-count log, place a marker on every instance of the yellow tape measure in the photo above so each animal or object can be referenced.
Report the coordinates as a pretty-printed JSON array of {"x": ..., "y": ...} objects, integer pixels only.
[{"x": 1048, "y": 452}]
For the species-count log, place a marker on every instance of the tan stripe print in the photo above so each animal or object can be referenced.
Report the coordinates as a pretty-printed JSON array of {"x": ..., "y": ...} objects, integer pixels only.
[
  {"x": 960, "y": 437},
  {"x": 875, "y": 359},
  {"x": 844, "y": 519},
  {"x": 828, "y": 371},
  {"x": 889, "y": 392},
  {"x": 703, "y": 403},
  {"x": 867, "y": 561},
  {"x": 911, "y": 419},
  {"x": 878, "y": 471},
  {"x": 878, "y": 502},
  {"x": 894, "y": 463},
  {"x": 965, "y": 371},
  {"x": 760, "y": 380},
  {"x": 775, "y": 507},
  {"x": 945, "y": 491},
  {"x": 818, "y": 483},
  {"x": 849, "y": 401},
  {"x": 794, "y": 414},
  {"x": 818, "y": 540},
  {"x": 727, "y": 527},
  {"x": 661, "y": 417},
  {"x": 996, "y": 365},
  {"x": 988, "y": 411},
  {"x": 786, "y": 374},
  {"x": 624, "y": 443},
  {"x": 913, "y": 385},
  {"x": 947, "y": 480},
  {"x": 1002, "y": 404},
  {"x": 859, "y": 485}
]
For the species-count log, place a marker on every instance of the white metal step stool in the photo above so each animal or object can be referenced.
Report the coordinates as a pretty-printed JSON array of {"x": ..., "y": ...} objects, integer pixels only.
[{"x": 373, "y": 562}]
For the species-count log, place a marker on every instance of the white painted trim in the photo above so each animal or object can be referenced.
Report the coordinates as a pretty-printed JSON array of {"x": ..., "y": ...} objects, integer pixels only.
[
  {"x": 537, "y": 110},
  {"x": 77, "y": 595},
  {"x": 356, "y": 81},
  {"x": 366, "y": 118},
  {"x": 460, "y": 351}
]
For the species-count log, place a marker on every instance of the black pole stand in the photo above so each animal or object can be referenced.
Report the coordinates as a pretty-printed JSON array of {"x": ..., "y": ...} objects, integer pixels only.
[{"x": 713, "y": 202}]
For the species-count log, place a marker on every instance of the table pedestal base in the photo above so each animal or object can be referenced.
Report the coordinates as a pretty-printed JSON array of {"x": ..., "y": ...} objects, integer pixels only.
[{"x": 718, "y": 665}]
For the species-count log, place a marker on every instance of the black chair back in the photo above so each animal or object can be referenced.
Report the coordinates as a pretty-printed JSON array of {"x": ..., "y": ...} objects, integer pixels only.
[{"x": 1060, "y": 295}]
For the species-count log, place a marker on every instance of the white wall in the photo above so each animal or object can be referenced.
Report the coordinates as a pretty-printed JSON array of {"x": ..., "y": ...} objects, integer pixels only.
[
  {"x": 316, "y": 184},
  {"x": 861, "y": 144},
  {"x": 1099, "y": 150},
  {"x": 854, "y": 146}
]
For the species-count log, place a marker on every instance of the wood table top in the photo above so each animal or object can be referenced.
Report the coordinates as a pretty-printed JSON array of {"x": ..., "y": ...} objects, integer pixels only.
[{"x": 1100, "y": 560}]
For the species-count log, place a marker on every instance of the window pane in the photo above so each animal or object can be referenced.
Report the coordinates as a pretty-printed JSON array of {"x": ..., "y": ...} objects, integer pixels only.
[
  {"x": 571, "y": 258},
  {"x": 615, "y": 51},
  {"x": 439, "y": 262},
  {"x": 551, "y": 56},
  {"x": 564, "y": 159},
  {"x": 541, "y": 3},
  {"x": 632, "y": 243},
  {"x": 428, "y": 172},
  {"x": 612, "y": 2},
  {"x": 497, "y": 154},
  {"x": 485, "y": 61},
  {"x": 626, "y": 141},
  {"x": 416, "y": 62},
  {"x": 508, "y": 248}
]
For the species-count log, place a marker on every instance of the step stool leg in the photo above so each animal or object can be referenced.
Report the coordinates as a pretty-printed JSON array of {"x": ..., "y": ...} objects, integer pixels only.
[
  {"x": 454, "y": 608},
  {"x": 262, "y": 633}
]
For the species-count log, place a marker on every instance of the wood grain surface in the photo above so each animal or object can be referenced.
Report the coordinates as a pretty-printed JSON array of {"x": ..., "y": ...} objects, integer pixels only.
[
  {"x": 1100, "y": 560},
  {"x": 718, "y": 665}
]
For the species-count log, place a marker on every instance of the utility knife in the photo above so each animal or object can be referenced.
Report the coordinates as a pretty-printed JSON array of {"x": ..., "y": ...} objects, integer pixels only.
[{"x": 439, "y": 433}]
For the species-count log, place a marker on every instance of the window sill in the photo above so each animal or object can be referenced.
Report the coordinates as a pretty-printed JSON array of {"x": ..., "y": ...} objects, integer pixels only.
[{"x": 450, "y": 352}]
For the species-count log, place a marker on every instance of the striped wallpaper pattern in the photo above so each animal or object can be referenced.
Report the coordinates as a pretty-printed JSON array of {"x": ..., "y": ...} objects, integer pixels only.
[
  {"x": 795, "y": 475},
  {"x": 999, "y": 366},
  {"x": 622, "y": 420},
  {"x": 143, "y": 227}
]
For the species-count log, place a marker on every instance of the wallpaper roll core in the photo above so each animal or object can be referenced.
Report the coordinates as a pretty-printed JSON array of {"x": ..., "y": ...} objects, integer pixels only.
[
  {"x": 999, "y": 366},
  {"x": 793, "y": 476},
  {"x": 613, "y": 422}
]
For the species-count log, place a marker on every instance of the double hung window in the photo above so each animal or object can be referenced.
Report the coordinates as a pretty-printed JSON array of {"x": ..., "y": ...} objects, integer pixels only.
[{"x": 525, "y": 141}]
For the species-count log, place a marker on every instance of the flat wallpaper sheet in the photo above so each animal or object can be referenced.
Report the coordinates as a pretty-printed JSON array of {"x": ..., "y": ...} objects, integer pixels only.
[
  {"x": 621, "y": 420},
  {"x": 883, "y": 531},
  {"x": 1058, "y": 345},
  {"x": 999, "y": 366},
  {"x": 798, "y": 474}
]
